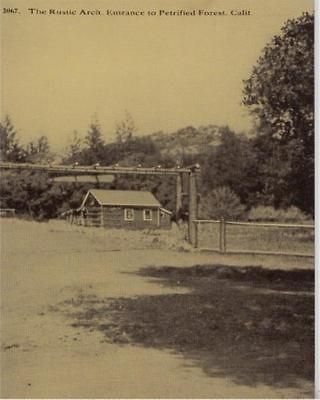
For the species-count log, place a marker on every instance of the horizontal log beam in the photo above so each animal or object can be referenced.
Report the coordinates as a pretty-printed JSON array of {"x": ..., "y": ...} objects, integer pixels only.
[{"x": 95, "y": 170}]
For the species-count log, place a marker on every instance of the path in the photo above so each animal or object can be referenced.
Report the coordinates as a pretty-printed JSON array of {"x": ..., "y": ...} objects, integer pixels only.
[{"x": 44, "y": 357}]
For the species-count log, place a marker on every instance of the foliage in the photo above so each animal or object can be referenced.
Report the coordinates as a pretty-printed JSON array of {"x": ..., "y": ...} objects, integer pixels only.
[
  {"x": 221, "y": 202},
  {"x": 269, "y": 213},
  {"x": 10, "y": 149},
  {"x": 232, "y": 163},
  {"x": 186, "y": 143},
  {"x": 38, "y": 151},
  {"x": 34, "y": 194},
  {"x": 272, "y": 168},
  {"x": 94, "y": 145},
  {"x": 74, "y": 148},
  {"x": 125, "y": 129},
  {"x": 280, "y": 89},
  {"x": 254, "y": 170},
  {"x": 280, "y": 93}
]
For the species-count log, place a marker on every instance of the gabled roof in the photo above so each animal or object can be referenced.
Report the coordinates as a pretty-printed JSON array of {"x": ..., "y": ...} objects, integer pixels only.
[{"x": 123, "y": 198}]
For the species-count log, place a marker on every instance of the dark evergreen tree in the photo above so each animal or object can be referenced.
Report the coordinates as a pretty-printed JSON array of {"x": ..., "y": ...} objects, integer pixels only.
[
  {"x": 10, "y": 149},
  {"x": 94, "y": 142}
]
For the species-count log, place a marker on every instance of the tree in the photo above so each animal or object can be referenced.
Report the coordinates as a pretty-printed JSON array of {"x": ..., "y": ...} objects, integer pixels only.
[
  {"x": 38, "y": 151},
  {"x": 73, "y": 151},
  {"x": 126, "y": 128},
  {"x": 94, "y": 151},
  {"x": 272, "y": 168},
  {"x": 232, "y": 163},
  {"x": 10, "y": 150},
  {"x": 280, "y": 93},
  {"x": 94, "y": 139}
]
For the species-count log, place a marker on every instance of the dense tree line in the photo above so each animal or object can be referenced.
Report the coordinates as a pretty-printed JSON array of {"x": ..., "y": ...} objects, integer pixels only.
[
  {"x": 36, "y": 151},
  {"x": 273, "y": 167},
  {"x": 236, "y": 174}
]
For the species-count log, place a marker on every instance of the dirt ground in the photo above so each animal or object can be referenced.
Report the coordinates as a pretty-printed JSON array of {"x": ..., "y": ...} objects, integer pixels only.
[{"x": 44, "y": 356}]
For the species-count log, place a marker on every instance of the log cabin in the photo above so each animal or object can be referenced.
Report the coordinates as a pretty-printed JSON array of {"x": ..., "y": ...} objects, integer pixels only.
[{"x": 129, "y": 209}]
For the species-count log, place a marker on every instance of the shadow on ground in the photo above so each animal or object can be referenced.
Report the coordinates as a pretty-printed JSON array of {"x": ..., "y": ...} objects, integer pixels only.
[{"x": 250, "y": 324}]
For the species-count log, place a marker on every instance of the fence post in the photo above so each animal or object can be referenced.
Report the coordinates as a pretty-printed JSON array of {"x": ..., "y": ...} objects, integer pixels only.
[
  {"x": 224, "y": 230},
  {"x": 193, "y": 207},
  {"x": 196, "y": 234},
  {"x": 178, "y": 194},
  {"x": 222, "y": 236}
]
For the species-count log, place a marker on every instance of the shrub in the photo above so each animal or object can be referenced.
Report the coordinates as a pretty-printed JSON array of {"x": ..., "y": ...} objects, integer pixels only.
[
  {"x": 268, "y": 213},
  {"x": 221, "y": 202}
]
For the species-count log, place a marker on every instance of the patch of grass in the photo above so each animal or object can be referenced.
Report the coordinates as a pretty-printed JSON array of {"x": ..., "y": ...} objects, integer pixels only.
[
  {"x": 251, "y": 324},
  {"x": 254, "y": 238}
]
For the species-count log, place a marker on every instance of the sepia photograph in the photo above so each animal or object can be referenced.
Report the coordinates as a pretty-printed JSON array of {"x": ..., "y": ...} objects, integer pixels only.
[{"x": 157, "y": 199}]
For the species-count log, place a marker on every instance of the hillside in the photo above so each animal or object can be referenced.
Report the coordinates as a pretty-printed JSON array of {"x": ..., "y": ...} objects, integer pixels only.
[{"x": 188, "y": 140}]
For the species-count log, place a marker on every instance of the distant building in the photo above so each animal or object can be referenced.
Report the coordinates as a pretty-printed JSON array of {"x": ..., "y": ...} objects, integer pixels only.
[{"x": 131, "y": 209}]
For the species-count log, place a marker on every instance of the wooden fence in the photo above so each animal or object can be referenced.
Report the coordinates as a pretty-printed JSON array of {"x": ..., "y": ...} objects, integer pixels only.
[
  {"x": 7, "y": 212},
  {"x": 255, "y": 238}
]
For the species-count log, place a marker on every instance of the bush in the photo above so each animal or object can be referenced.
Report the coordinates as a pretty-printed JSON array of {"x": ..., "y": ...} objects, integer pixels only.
[
  {"x": 270, "y": 214},
  {"x": 220, "y": 203}
]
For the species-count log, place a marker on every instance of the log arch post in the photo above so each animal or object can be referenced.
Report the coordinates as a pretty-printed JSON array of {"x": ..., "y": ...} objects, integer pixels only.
[
  {"x": 193, "y": 204},
  {"x": 178, "y": 194}
]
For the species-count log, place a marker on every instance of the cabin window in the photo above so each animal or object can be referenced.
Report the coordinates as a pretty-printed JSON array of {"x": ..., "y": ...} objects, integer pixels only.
[
  {"x": 128, "y": 214},
  {"x": 147, "y": 215}
]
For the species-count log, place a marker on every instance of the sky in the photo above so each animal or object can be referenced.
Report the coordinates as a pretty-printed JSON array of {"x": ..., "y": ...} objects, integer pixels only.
[{"x": 59, "y": 72}]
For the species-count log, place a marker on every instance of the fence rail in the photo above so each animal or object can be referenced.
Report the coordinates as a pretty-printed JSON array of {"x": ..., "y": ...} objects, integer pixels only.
[
  {"x": 255, "y": 238},
  {"x": 7, "y": 212}
]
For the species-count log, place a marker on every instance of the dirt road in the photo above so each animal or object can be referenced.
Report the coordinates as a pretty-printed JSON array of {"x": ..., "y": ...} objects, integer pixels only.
[{"x": 43, "y": 356}]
